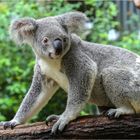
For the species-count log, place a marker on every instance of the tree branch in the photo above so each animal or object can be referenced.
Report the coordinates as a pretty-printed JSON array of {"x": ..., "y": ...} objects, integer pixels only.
[{"x": 88, "y": 127}]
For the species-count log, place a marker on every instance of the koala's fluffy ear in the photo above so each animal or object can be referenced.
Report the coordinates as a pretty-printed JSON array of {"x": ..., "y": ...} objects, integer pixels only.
[
  {"x": 73, "y": 21},
  {"x": 23, "y": 30}
]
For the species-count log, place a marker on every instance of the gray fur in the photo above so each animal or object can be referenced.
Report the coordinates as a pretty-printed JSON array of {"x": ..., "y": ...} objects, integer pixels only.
[{"x": 101, "y": 74}]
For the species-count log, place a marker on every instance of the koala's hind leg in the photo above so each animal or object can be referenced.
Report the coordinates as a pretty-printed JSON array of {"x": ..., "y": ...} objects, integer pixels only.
[{"x": 119, "y": 85}]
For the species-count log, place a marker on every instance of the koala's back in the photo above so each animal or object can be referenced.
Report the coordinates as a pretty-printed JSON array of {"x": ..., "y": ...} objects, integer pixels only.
[{"x": 107, "y": 56}]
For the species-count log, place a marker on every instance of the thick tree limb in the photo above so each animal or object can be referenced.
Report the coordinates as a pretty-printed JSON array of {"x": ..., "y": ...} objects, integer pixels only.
[{"x": 88, "y": 127}]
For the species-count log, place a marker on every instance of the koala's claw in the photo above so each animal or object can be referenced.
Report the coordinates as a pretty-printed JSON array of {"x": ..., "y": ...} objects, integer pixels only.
[
  {"x": 110, "y": 112},
  {"x": 9, "y": 124},
  {"x": 60, "y": 125},
  {"x": 113, "y": 113},
  {"x": 51, "y": 118}
]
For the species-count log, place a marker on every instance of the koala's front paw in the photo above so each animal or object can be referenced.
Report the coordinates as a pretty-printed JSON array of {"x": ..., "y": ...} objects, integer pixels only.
[
  {"x": 9, "y": 124},
  {"x": 51, "y": 118},
  {"x": 111, "y": 113},
  {"x": 60, "y": 124},
  {"x": 116, "y": 113}
]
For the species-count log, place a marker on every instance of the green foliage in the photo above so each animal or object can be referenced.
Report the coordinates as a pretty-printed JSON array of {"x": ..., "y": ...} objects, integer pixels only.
[
  {"x": 104, "y": 13},
  {"x": 130, "y": 42},
  {"x": 16, "y": 63}
]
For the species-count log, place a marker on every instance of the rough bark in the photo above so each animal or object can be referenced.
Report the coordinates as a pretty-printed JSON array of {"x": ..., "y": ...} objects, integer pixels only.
[{"x": 87, "y": 127}]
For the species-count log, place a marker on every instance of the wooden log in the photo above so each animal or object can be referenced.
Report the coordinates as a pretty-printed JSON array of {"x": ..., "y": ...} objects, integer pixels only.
[{"x": 86, "y": 127}]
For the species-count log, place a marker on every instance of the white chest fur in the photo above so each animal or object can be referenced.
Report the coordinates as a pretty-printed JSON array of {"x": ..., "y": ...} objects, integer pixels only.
[{"x": 52, "y": 69}]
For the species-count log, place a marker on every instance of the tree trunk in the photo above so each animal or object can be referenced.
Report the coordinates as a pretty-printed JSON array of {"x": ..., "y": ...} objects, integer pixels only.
[{"x": 86, "y": 127}]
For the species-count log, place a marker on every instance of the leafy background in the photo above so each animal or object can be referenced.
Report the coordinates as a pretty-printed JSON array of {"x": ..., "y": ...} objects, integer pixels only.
[{"x": 16, "y": 63}]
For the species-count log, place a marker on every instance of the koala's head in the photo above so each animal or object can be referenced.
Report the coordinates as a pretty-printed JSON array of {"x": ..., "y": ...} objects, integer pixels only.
[{"x": 49, "y": 37}]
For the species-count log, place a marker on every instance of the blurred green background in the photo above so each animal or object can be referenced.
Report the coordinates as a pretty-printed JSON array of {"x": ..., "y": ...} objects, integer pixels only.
[{"x": 16, "y": 63}]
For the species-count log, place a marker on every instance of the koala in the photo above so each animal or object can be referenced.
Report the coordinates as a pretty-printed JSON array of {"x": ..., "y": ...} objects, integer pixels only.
[{"x": 104, "y": 75}]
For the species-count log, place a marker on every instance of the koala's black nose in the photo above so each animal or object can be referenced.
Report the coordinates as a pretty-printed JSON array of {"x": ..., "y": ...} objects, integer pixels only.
[{"x": 57, "y": 44}]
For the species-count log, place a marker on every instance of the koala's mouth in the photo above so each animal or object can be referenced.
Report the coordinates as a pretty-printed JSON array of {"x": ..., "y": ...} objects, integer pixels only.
[{"x": 53, "y": 55}]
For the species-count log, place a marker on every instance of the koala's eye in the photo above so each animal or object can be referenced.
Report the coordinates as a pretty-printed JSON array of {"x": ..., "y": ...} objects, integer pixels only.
[{"x": 45, "y": 40}]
